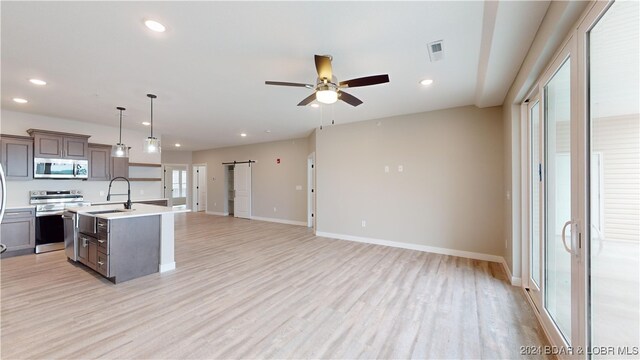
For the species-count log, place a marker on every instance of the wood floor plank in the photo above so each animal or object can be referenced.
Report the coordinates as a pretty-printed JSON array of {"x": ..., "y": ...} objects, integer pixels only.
[{"x": 251, "y": 289}]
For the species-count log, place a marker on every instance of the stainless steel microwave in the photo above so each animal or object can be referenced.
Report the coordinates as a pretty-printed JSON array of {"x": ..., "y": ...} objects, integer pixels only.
[{"x": 60, "y": 169}]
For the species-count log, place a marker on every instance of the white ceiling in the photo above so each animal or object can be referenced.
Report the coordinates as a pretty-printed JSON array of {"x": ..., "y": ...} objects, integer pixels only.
[{"x": 208, "y": 69}]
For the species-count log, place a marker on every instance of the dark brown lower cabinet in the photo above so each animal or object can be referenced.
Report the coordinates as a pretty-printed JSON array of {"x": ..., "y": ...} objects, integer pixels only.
[{"x": 18, "y": 231}]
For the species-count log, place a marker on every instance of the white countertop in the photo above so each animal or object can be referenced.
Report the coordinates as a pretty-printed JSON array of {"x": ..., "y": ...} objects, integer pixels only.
[
  {"x": 20, "y": 207},
  {"x": 120, "y": 201},
  {"x": 136, "y": 211}
]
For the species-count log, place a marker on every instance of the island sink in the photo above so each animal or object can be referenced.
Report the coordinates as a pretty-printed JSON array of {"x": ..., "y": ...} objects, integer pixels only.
[{"x": 106, "y": 212}]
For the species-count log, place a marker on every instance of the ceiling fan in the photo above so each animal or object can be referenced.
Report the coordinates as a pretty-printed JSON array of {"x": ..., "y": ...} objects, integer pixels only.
[{"x": 327, "y": 89}]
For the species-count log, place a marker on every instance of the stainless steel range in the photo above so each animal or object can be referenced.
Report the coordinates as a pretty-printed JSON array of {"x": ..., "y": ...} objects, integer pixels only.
[{"x": 50, "y": 206}]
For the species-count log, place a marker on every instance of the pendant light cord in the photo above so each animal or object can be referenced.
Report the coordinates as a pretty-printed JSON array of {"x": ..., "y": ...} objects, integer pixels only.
[
  {"x": 120, "y": 139},
  {"x": 152, "y": 117}
]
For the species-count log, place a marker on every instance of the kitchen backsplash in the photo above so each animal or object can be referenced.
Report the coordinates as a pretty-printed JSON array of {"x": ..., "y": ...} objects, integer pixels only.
[{"x": 18, "y": 191}]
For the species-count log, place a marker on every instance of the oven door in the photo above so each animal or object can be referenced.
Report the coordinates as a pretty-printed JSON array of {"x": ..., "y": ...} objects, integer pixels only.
[{"x": 49, "y": 231}]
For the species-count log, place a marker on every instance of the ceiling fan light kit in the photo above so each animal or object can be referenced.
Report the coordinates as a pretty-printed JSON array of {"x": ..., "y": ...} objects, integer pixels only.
[
  {"x": 327, "y": 96},
  {"x": 327, "y": 88},
  {"x": 151, "y": 144}
]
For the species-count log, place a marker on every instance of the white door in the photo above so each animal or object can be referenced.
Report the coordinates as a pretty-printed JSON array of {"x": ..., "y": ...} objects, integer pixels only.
[
  {"x": 202, "y": 188},
  {"x": 311, "y": 191},
  {"x": 242, "y": 187},
  {"x": 199, "y": 188}
]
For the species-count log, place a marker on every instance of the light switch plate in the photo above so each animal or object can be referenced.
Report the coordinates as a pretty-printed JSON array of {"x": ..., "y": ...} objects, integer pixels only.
[
  {"x": 298, "y": 187},
  {"x": 400, "y": 168}
]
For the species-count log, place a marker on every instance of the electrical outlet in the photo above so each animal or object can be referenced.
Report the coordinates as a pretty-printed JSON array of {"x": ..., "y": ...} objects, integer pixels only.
[
  {"x": 298, "y": 187},
  {"x": 386, "y": 169},
  {"x": 400, "y": 168},
  {"x": 364, "y": 223},
  {"x": 215, "y": 204},
  {"x": 141, "y": 192},
  {"x": 275, "y": 209},
  {"x": 101, "y": 193}
]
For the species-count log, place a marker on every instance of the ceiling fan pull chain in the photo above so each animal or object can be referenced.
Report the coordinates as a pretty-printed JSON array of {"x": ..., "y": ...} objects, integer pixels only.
[{"x": 333, "y": 115}]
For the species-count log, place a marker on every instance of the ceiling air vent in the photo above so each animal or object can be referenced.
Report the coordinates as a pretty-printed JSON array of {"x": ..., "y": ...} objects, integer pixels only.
[{"x": 436, "y": 51}]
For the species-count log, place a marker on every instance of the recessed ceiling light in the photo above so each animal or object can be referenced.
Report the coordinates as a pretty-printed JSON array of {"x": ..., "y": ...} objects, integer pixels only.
[
  {"x": 268, "y": 131},
  {"x": 426, "y": 82},
  {"x": 20, "y": 100},
  {"x": 314, "y": 105},
  {"x": 37, "y": 82},
  {"x": 178, "y": 145},
  {"x": 146, "y": 123},
  {"x": 243, "y": 135},
  {"x": 155, "y": 26}
]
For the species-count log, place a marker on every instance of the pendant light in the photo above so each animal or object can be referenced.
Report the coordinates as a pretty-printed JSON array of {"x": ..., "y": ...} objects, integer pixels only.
[
  {"x": 151, "y": 144},
  {"x": 120, "y": 150}
]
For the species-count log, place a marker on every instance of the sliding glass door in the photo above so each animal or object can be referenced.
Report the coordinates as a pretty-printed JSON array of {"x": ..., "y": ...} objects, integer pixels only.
[
  {"x": 557, "y": 209},
  {"x": 614, "y": 179},
  {"x": 583, "y": 176}
]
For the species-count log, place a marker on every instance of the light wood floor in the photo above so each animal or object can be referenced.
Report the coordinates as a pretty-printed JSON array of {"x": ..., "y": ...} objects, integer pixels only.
[{"x": 251, "y": 289}]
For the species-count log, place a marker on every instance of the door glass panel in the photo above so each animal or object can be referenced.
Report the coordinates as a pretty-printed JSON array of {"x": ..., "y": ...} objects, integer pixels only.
[
  {"x": 614, "y": 224},
  {"x": 557, "y": 99},
  {"x": 535, "y": 193}
]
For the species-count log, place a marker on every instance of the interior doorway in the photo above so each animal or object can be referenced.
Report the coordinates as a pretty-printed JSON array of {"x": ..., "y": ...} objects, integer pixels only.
[
  {"x": 174, "y": 184},
  {"x": 199, "y": 188},
  {"x": 230, "y": 192},
  {"x": 238, "y": 188}
]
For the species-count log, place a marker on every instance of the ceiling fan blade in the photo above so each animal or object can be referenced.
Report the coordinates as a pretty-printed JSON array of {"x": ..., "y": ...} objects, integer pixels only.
[
  {"x": 308, "y": 100},
  {"x": 323, "y": 67},
  {"x": 349, "y": 99},
  {"x": 282, "y": 83},
  {"x": 365, "y": 81}
]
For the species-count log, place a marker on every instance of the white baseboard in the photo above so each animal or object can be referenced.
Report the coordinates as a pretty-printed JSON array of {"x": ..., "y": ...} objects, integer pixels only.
[
  {"x": 167, "y": 267},
  {"x": 425, "y": 248},
  {"x": 217, "y": 213},
  {"x": 281, "y": 221},
  {"x": 515, "y": 281}
]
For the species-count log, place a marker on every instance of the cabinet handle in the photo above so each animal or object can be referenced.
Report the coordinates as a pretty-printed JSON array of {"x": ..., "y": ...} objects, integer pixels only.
[
  {"x": 101, "y": 225},
  {"x": 100, "y": 241},
  {"x": 100, "y": 263},
  {"x": 84, "y": 242}
]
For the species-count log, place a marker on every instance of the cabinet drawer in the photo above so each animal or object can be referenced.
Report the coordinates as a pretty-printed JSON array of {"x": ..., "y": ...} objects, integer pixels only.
[
  {"x": 102, "y": 265},
  {"x": 103, "y": 242},
  {"x": 20, "y": 213},
  {"x": 103, "y": 226}
]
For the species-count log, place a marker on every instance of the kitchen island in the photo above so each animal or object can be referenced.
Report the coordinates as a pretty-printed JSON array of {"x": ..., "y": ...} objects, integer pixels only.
[{"x": 122, "y": 244}]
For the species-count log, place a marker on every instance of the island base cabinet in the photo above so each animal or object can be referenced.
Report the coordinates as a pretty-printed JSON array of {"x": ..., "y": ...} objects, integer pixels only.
[
  {"x": 134, "y": 247},
  {"x": 122, "y": 249}
]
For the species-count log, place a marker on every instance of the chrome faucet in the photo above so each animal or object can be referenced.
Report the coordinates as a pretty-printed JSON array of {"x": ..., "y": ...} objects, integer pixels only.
[{"x": 127, "y": 205}]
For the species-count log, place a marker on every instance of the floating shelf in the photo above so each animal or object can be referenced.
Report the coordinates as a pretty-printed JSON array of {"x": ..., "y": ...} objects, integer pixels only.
[
  {"x": 145, "y": 179},
  {"x": 144, "y": 164}
]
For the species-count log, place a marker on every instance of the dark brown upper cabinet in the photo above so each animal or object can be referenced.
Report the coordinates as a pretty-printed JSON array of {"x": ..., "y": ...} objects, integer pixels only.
[
  {"x": 59, "y": 145},
  {"x": 16, "y": 155},
  {"x": 99, "y": 162}
]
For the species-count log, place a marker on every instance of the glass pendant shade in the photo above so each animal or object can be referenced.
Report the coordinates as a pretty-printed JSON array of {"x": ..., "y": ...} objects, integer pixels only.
[
  {"x": 151, "y": 145},
  {"x": 326, "y": 96},
  {"x": 120, "y": 150}
]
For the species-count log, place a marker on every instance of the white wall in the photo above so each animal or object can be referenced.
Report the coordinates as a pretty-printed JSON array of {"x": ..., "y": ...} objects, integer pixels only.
[
  {"x": 273, "y": 185},
  {"x": 16, "y": 123},
  {"x": 448, "y": 195}
]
